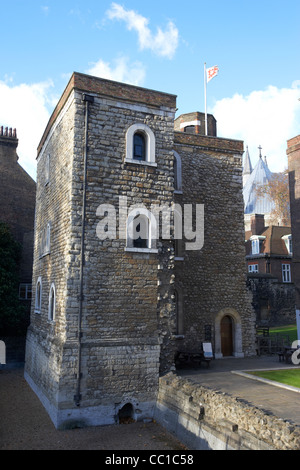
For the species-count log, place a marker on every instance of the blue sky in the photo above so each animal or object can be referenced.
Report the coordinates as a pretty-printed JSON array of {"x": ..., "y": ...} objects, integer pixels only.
[{"x": 160, "y": 45}]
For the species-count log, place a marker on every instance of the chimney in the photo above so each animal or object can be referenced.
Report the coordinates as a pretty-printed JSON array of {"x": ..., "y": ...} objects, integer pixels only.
[
  {"x": 8, "y": 145},
  {"x": 194, "y": 123},
  {"x": 257, "y": 222}
]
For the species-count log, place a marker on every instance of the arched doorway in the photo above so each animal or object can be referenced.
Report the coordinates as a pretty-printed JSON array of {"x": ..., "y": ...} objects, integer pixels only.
[
  {"x": 228, "y": 325},
  {"x": 227, "y": 336}
]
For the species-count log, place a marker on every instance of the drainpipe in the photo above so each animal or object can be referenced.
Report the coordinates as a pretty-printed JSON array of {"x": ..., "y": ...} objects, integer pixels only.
[{"x": 87, "y": 99}]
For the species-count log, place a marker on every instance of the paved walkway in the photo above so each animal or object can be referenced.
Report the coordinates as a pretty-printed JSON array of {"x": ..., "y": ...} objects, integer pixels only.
[{"x": 278, "y": 401}]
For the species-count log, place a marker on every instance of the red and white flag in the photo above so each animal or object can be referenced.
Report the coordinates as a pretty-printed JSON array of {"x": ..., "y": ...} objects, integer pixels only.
[{"x": 212, "y": 72}]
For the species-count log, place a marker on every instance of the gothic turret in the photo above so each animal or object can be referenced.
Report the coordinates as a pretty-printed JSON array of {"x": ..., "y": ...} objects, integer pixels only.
[{"x": 247, "y": 169}]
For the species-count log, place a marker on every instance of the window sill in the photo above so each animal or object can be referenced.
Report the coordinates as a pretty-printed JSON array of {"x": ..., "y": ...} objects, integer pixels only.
[
  {"x": 178, "y": 191},
  {"x": 141, "y": 250},
  {"x": 38, "y": 312},
  {"x": 178, "y": 337},
  {"x": 44, "y": 254},
  {"x": 140, "y": 162},
  {"x": 179, "y": 258}
]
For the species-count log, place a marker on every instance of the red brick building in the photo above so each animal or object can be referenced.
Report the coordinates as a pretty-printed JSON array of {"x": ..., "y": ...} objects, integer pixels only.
[{"x": 269, "y": 249}]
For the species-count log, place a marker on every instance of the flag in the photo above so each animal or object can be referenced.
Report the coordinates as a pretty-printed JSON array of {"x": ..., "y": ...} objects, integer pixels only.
[{"x": 212, "y": 72}]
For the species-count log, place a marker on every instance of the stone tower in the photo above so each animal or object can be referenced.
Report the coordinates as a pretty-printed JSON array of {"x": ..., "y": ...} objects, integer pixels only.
[
  {"x": 120, "y": 284},
  {"x": 97, "y": 326}
]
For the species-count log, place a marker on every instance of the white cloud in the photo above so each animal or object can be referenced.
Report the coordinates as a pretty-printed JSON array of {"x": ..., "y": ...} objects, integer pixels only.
[
  {"x": 45, "y": 9},
  {"x": 163, "y": 43},
  {"x": 24, "y": 107},
  {"x": 121, "y": 71},
  {"x": 268, "y": 118}
]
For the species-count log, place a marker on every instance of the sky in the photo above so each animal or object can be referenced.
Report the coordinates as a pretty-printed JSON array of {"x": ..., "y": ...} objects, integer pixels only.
[{"x": 161, "y": 45}]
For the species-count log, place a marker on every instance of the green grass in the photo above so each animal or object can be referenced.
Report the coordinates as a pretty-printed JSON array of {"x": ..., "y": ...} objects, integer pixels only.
[
  {"x": 287, "y": 377},
  {"x": 290, "y": 330}
]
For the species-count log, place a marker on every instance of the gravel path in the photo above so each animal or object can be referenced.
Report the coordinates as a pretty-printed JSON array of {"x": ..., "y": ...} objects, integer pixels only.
[{"x": 25, "y": 425}]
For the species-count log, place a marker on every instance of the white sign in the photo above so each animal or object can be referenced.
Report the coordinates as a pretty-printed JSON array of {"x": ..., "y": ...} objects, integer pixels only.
[
  {"x": 2, "y": 353},
  {"x": 298, "y": 323}
]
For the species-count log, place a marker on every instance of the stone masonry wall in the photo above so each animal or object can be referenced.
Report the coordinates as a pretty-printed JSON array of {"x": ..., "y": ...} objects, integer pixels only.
[
  {"x": 212, "y": 280},
  {"x": 206, "y": 419},
  {"x": 45, "y": 338},
  {"x": 122, "y": 327},
  {"x": 293, "y": 153}
]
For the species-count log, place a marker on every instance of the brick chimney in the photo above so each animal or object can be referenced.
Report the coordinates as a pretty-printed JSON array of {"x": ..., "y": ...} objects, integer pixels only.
[
  {"x": 257, "y": 222},
  {"x": 8, "y": 145},
  {"x": 194, "y": 123}
]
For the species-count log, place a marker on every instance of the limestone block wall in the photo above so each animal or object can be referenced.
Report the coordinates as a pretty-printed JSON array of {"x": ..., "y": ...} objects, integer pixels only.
[{"x": 206, "y": 419}]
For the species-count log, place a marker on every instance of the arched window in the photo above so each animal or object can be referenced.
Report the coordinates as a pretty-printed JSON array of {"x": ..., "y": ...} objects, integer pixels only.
[
  {"x": 48, "y": 235},
  {"x": 141, "y": 231},
  {"x": 177, "y": 173},
  {"x": 140, "y": 145},
  {"x": 52, "y": 299},
  {"x": 38, "y": 296}
]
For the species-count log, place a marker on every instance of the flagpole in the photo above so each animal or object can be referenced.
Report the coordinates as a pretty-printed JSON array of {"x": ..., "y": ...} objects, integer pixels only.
[{"x": 205, "y": 99}]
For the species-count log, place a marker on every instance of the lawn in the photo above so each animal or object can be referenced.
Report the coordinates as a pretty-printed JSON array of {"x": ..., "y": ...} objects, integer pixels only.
[
  {"x": 290, "y": 330},
  {"x": 287, "y": 377}
]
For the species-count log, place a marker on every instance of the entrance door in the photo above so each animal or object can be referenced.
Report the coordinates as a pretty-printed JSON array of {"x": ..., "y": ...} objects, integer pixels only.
[{"x": 227, "y": 336}]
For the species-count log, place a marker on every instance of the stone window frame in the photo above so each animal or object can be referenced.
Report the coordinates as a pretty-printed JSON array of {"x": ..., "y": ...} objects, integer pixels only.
[
  {"x": 286, "y": 273},
  {"x": 38, "y": 295},
  {"x": 45, "y": 241},
  {"x": 140, "y": 128},
  {"x": 52, "y": 303},
  {"x": 152, "y": 231},
  {"x": 177, "y": 173}
]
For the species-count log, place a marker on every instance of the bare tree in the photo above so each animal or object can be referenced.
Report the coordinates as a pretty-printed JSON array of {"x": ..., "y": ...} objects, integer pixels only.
[{"x": 277, "y": 189}]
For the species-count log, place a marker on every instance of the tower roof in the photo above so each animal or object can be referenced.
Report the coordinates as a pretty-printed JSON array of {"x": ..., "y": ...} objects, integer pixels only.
[
  {"x": 252, "y": 204},
  {"x": 247, "y": 169}
]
